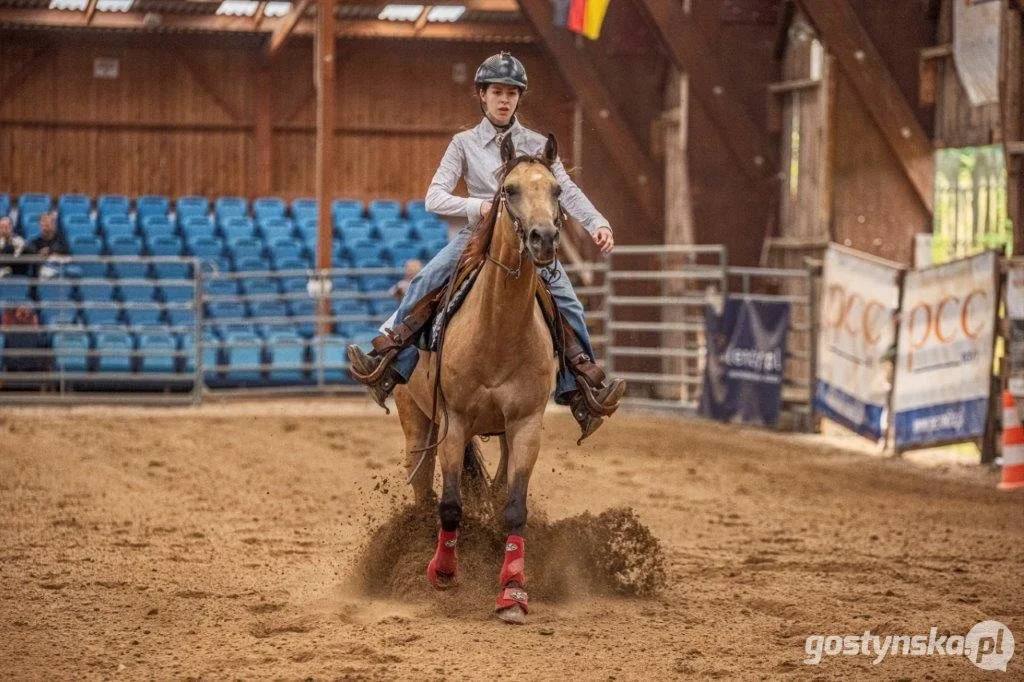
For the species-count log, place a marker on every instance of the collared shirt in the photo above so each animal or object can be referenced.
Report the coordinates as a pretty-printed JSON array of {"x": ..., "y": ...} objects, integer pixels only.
[{"x": 476, "y": 155}]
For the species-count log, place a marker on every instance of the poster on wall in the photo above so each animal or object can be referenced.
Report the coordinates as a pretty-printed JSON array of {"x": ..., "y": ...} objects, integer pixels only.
[
  {"x": 860, "y": 295},
  {"x": 1015, "y": 329},
  {"x": 745, "y": 361},
  {"x": 944, "y": 354}
]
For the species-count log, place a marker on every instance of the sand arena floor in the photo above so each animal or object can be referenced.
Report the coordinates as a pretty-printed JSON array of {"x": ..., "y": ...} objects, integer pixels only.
[{"x": 227, "y": 542}]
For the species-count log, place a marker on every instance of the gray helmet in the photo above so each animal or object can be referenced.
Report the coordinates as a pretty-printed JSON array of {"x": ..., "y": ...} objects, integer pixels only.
[{"x": 501, "y": 68}]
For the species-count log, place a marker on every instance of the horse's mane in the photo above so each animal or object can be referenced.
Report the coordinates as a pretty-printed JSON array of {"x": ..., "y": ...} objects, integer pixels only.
[{"x": 483, "y": 229}]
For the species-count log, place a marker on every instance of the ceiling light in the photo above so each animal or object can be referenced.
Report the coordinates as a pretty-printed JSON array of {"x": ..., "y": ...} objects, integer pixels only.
[
  {"x": 277, "y": 9},
  {"x": 238, "y": 8},
  {"x": 114, "y": 5},
  {"x": 400, "y": 12},
  {"x": 446, "y": 13}
]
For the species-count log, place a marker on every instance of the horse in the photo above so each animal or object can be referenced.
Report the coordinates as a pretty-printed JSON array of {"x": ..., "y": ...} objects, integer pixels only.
[{"x": 497, "y": 369}]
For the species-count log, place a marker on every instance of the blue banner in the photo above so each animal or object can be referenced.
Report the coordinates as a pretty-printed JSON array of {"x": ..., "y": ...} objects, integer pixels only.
[
  {"x": 839, "y": 406},
  {"x": 746, "y": 353}
]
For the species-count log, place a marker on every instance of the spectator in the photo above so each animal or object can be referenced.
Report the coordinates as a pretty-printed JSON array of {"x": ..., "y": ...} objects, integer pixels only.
[
  {"x": 11, "y": 245},
  {"x": 26, "y": 339},
  {"x": 50, "y": 242},
  {"x": 412, "y": 268}
]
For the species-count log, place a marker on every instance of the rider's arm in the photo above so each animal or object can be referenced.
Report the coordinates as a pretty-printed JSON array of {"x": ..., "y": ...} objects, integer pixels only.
[
  {"x": 576, "y": 203},
  {"x": 439, "y": 197}
]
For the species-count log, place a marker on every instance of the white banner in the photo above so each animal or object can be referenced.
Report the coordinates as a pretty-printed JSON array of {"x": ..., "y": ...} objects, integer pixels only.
[
  {"x": 859, "y": 298},
  {"x": 976, "y": 31},
  {"x": 944, "y": 356}
]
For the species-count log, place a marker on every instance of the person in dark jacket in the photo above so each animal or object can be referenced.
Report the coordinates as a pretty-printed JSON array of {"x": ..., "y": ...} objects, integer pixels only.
[{"x": 50, "y": 242}]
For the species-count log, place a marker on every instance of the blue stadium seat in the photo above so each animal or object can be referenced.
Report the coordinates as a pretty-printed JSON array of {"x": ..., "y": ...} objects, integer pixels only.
[
  {"x": 226, "y": 207},
  {"x": 286, "y": 355},
  {"x": 392, "y": 231},
  {"x": 191, "y": 207},
  {"x": 137, "y": 292},
  {"x": 417, "y": 209},
  {"x": 400, "y": 252},
  {"x": 381, "y": 209},
  {"x": 73, "y": 204},
  {"x": 304, "y": 208},
  {"x": 268, "y": 207},
  {"x": 206, "y": 247},
  {"x": 346, "y": 208},
  {"x": 157, "y": 226},
  {"x": 196, "y": 226},
  {"x": 157, "y": 352},
  {"x": 29, "y": 224},
  {"x": 125, "y": 246},
  {"x": 181, "y": 317},
  {"x": 221, "y": 287},
  {"x": 5, "y": 204},
  {"x": 53, "y": 290},
  {"x": 304, "y": 308},
  {"x": 14, "y": 289},
  {"x": 166, "y": 247},
  {"x": 70, "y": 351},
  {"x": 176, "y": 293},
  {"x": 372, "y": 283},
  {"x": 115, "y": 350},
  {"x": 286, "y": 248},
  {"x": 251, "y": 264},
  {"x": 237, "y": 227},
  {"x": 242, "y": 355},
  {"x": 117, "y": 226},
  {"x": 113, "y": 204},
  {"x": 140, "y": 318},
  {"x": 106, "y": 316},
  {"x": 77, "y": 226},
  {"x": 246, "y": 247},
  {"x": 366, "y": 254},
  {"x": 260, "y": 286},
  {"x": 150, "y": 205},
  {"x": 307, "y": 227},
  {"x": 382, "y": 307},
  {"x": 95, "y": 292},
  {"x": 225, "y": 310},
  {"x": 291, "y": 265},
  {"x": 276, "y": 228},
  {"x": 353, "y": 230},
  {"x": 294, "y": 285},
  {"x": 64, "y": 316},
  {"x": 34, "y": 202},
  {"x": 342, "y": 283},
  {"x": 265, "y": 312},
  {"x": 332, "y": 354},
  {"x": 431, "y": 231},
  {"x": 211, "y": 354}
]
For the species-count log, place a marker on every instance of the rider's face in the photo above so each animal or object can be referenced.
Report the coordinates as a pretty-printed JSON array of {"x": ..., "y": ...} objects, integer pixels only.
[{"x": 500, "y": 102}]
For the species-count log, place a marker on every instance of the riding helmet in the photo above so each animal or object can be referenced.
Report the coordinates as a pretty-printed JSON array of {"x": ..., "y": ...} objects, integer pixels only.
[{"x": 501, "y": 68}]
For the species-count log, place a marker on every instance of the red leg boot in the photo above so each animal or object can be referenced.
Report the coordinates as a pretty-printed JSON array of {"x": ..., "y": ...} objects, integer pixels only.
[
  {"x": 443, "y": 569},
  {"x": 511, "y": 605}
]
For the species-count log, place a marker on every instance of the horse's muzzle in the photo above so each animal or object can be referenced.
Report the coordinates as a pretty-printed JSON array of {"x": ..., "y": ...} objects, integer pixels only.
[{"x": 542, "y": 243}]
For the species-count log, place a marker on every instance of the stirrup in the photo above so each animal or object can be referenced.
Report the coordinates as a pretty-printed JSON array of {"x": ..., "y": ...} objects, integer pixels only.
[
  {"x": 590, "y": 406},
  {"x": 373, "y": 372}
]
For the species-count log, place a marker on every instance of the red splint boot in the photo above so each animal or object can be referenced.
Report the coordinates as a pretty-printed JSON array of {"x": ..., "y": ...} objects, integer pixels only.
[
  {"x": 513, "y": 575},
  {"x": 443, "y": 569}
]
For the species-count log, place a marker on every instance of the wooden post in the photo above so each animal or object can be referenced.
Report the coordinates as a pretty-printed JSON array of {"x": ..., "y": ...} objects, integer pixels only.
[
  {"x": 263, "y": 134},
  {"x": 324, "y": 70},
  {"x": 1012, "y": 89}
]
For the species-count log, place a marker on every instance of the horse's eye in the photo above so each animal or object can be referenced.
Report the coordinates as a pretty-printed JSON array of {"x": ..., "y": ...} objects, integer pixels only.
[
  {"x": 511, "y": 190},
  {"x": 557, "y": 191}
]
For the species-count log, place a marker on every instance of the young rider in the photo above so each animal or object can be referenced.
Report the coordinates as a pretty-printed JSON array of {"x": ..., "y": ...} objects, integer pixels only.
[{"x": 475, "y": 155}]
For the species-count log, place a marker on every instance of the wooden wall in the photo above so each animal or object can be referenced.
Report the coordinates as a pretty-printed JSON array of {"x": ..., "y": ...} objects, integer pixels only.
[{"x": 180, "y": 118}]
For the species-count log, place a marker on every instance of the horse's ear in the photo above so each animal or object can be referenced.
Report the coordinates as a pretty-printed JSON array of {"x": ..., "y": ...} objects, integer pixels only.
[
  {"x": 551, "y": 149},
  {"x": 508, "y": 150}
]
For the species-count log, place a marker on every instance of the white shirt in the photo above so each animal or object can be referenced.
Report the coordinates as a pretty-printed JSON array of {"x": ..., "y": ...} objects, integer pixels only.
[{"x": 476, "y": 155}]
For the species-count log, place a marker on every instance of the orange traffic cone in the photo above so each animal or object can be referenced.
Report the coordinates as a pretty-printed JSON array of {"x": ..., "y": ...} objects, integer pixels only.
[{"x": 1013, "y": 445}]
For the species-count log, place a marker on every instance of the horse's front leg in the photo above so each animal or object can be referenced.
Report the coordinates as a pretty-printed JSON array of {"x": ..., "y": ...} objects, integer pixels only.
[
  {"x": 443, "y": 569},
  {"x": 524, "y": 444}
]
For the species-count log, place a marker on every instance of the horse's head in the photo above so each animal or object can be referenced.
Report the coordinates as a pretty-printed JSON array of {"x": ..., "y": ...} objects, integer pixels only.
[{"x": 530, "y": 193}]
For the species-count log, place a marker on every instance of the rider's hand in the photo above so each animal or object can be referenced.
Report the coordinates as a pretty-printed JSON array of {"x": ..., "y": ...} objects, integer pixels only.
[
  {"x": 485, "y": 208},
  {"x": 604, "y": 240}
]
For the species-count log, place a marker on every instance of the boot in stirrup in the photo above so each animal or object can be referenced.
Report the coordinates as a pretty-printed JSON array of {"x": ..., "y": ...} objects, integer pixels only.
[
  {"x": 374, "y": 372},
  {"x": 590, "y": 406}
]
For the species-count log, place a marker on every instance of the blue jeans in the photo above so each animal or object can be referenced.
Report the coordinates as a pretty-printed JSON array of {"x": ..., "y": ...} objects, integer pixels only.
[{"x": 441, "y": 267}]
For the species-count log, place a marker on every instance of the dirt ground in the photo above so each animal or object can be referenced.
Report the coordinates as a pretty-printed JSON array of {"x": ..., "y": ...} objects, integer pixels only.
[{"x": 225, "y": 542}]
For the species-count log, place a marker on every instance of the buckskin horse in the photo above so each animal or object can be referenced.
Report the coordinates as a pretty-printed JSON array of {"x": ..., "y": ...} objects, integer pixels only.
[{"x": 497, "y": 369}]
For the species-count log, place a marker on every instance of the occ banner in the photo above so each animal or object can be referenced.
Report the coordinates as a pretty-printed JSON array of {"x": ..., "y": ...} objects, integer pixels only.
[
  {"x": 944, "y": 356},
  {"x": 859, "y": 299},
  {"x": 746, "y": 353}
]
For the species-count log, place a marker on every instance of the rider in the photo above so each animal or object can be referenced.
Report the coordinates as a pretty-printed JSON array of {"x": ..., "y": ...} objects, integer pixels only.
[{"x": 475, "y": 155}]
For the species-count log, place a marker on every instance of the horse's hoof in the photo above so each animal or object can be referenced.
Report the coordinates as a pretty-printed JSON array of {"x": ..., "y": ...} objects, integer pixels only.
[{"x": 512, "y": 614}]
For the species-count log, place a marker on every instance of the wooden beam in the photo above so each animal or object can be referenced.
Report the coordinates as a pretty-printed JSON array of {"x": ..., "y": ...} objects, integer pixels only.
[
  {"x": 691, "y": 51},
  {"x": 258, "y": 18},
  {"x": 843, "y": 34},
  {"x": 282, "y": 31},
  {"x": 642, "y": 176},
  {"x": 324, "y": 71},
  {"x": 421, "y": 20},
  {"x": 211, "y": 89},
  {"x": 10, "y": 87},
  {"x": 263, "y": 133},
  {"x": 90, "y": 10},
  {"x": 515, "y": 32},
  {"x": 1011, "y": 82}
]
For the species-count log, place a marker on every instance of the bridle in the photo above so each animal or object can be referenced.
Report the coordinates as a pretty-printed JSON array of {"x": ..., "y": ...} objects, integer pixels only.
[{"x": 520, "y": 232}]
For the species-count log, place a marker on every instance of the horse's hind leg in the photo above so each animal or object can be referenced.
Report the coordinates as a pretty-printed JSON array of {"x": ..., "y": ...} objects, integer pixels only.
[
  {"x": 524, "y": 444},
  {"x": 443, "y": 569},
  {"x": 420, "y": 465}
]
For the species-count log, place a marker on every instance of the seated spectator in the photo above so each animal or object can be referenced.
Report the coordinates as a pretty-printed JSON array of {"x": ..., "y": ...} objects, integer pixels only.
[
  {"x": 11, "y": 245},
  {"x": 27, "y": 338},
  {"x": 50, "y": 242},
  {"x": 412, "y": 268}
]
